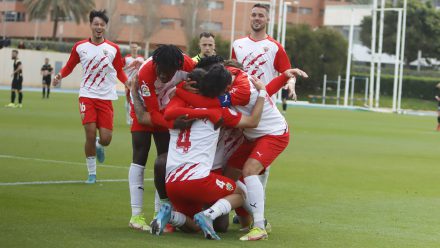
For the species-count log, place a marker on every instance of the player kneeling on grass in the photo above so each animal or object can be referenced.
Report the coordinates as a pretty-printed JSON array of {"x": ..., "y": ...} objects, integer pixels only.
[
  {"x": 190, "y": 184},
  {"x": 263, "y": 144}
]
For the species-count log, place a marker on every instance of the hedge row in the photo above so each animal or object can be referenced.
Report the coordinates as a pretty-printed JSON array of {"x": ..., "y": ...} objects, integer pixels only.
[{"x": 412, "y": 87}]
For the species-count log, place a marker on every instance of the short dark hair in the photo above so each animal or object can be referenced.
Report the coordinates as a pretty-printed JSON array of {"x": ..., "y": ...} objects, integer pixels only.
[
  {"x": 233, "y": 63},
  {"x": 196, "y": 75},
  {"x": 215, "y": 81},
  {"x": 206, "y": 35},
  {"x": 264, "y": 6},
  {"x": 168, "y": 57},
  {"x": 98, "y": 13},
  {"x": 207, "y": 62},
  {"x": 15, "y": 51}
]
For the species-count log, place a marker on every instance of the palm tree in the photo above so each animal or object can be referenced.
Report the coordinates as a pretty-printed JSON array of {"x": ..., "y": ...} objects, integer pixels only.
[{"x": 39, "y": 9}]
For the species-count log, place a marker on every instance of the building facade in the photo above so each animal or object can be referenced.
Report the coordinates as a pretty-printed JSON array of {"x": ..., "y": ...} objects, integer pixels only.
[{"x": 156, "y": 21}]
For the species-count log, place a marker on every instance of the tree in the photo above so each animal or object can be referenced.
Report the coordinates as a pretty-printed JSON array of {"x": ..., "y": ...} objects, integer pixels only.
[
  {"x": 189, "y": 11},
  {"x": 150, "y": 21},
  {"x": 59, "y": 9},
  {"x": 318, "y": 52},
  {"x": 422, "y": 30},
  {"x": 114, "y": 26}
]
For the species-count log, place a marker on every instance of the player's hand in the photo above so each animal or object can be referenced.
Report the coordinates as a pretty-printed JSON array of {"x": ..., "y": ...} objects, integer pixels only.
[
  {"x": 295, "y": 72},
  {"x": 182, "y": 122},
  {"x": 291, "y": 88},
  {"x": 56, "y": 80},
  {"x": 188, "y": 86},
  {"x": 136, "y": 64},
  {"x": 259, "y": 85},
  {"x": 437, "y": 98}
]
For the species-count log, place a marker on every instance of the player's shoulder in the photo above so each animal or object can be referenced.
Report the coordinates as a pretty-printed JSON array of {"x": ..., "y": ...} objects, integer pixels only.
[
  {"x": 275, "y": 42},
  {"x": 147, "y": 71},
  {"x": 188, "y": 63},
  {"x": 111, "y": 44}
]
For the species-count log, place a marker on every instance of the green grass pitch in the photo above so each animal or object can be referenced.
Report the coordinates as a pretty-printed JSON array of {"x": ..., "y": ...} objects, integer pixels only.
[{"x": 347, "y": 179}]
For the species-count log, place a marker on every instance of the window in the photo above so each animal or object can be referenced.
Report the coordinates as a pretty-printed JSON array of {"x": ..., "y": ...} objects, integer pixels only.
[
  {"x": 213, "y": 26},
  {"x": 130, "y": 19},
  {"x": 305, "y": 11},
  {"x": 13, "y": 16},
  {"x": 291, "y": 9},
  {"x": 61, "y": 17},
  {"x": 210, "y": 4},
  {"x": 172, "y": 2},
  {"x": 168, "y": 23}
]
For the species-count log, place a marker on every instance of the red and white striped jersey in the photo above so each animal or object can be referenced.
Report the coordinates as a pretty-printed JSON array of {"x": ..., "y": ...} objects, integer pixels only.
[
  {"x": 156, "y": 94},
  {"x": 262, "y": 58},
  {"x": 272, "y": 122},
  {"x": 191, "y": 151},
  {"x": 228, "y": 142},
  {"x": 102, "y": 67},
  {"x": 128, "y": 59}
]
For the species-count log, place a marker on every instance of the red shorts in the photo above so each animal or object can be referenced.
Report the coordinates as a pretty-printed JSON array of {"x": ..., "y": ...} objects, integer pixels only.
[
  {"x": 264, "y": 149},
  {"x": 97, "y": 111},
  {"x": 189, "y": 197}
]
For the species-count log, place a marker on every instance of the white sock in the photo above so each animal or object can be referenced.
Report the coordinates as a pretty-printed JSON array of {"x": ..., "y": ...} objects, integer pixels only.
[
  {"x": 256, "y": 199},
  {"x": 156, "y": 203},
  {"x": 136, "y": 184},
  {"x": 177, "y": 219},
  {"x": 97, "y": 143},
  {"x": 91, "y": 165},
  {"x": 246, "y": 205},
  {"x": 264, "y": 177},
  {"x": 219, "y": 208}
]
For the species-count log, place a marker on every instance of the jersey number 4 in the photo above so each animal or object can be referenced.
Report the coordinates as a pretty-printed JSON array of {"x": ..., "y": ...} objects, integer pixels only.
[{"x": 183, "y": 141}]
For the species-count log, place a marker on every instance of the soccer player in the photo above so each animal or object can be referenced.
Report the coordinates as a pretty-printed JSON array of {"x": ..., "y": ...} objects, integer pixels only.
[
  {"x": 191, "y": 183},
  {"x": 206, "y": 45},
  {"x": 262, "y": 145},
  {"x": 261, "y": 55},
  {"x": 437, "y": 97},
  {"x": 17, "y": 81},
  {"x": 101, "y": 61},
  {"x": 130, "y": 71},
  {"x": 157, "y": 79},
  {"x": 46, "y": 72}
]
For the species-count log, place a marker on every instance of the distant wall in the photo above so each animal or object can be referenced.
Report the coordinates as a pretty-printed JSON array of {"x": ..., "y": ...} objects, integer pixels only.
[{"x": 32, "y": 62}]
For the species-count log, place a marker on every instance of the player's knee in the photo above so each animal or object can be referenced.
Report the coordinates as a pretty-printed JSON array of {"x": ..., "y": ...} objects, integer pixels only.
[
  {"x": 252, "y": 167},
  {"x": 105, "y": 140}
]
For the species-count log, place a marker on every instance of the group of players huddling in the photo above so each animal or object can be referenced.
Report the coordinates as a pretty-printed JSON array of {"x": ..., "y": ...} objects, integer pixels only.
[{"x": 215, "y": 126}]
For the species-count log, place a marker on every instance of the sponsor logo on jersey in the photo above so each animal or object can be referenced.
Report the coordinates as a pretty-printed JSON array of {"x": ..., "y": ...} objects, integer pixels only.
[
  {"x": 145, "y": 91},
  {"x": 229, "y": 187}
]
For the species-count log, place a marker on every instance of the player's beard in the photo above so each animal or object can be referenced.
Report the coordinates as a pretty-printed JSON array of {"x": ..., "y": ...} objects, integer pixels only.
[{"x": 259, "y": 28}]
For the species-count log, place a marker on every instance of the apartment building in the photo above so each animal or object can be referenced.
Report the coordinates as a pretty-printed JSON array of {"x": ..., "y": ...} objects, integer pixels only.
[{"x": 169, "y": 19}]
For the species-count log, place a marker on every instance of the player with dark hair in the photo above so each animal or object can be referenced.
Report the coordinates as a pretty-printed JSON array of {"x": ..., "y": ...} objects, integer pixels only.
[
  {"x": 17, "y": 81},
  {"x": 157, "y": 79},
  {"x": 206, "y": 45},
  {"x": 190, "y": 192},
  {"x": 101, "y": 61},
  {"x": 46, "y": 72}
]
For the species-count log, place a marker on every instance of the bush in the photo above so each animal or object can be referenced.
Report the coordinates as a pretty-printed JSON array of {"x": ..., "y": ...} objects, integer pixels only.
[{"x": 412, "y": 87}]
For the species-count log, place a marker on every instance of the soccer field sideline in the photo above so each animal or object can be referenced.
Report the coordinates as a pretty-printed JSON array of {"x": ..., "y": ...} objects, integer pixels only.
[{"x": 348, "y": 179}]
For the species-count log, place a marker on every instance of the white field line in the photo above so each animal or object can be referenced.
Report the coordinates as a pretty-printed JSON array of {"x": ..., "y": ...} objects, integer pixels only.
[
  {"x": 66, "y": 182},
  {"x": 4, "y": 156}
]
